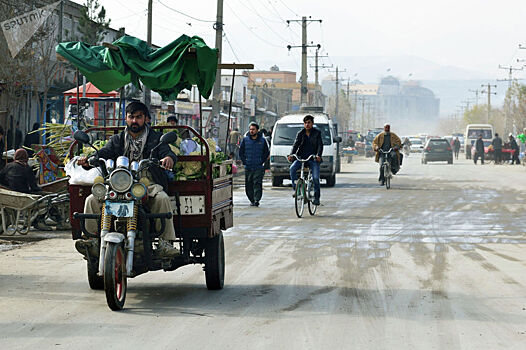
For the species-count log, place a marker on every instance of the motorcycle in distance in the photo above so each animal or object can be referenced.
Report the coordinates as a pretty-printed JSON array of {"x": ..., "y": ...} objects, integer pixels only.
[{"x": 128, "y": 249}]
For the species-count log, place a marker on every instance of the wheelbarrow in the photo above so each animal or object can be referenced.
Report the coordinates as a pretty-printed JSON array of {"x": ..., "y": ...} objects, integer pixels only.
[{"x": 18, "y": 210}]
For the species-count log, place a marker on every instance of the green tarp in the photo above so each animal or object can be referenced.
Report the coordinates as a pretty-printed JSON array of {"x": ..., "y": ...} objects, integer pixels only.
[{"x": 166, "y": 70}]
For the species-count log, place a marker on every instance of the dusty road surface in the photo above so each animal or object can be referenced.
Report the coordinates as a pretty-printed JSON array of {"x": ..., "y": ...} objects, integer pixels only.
[{"x": 437, "y": 262}]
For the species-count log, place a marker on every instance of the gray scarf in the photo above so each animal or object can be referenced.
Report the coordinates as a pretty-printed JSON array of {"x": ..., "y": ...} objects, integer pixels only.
[{"x": 133, "y": 148}]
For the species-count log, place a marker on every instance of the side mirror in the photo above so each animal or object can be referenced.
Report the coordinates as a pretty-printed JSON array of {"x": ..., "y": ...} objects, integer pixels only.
[
  {"x": 169, "y": 137},
  {"x": 337, "y": 139},
  {"x": 81, "y": 137}
]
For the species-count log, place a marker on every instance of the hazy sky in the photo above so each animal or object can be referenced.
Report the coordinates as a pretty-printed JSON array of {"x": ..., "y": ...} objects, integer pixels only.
[{"x": 471, "y": 34}]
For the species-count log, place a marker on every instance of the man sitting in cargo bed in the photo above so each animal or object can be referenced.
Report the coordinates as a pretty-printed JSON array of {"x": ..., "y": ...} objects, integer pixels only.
[{"x": 136, "y": 142}]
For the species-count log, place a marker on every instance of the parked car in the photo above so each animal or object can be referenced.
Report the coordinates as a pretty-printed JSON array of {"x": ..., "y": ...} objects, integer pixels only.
[{"x": 437, "y": 150}]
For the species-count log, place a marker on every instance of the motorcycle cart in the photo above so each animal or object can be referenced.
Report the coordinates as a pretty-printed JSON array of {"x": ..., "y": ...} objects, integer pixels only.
[{"x": 201, "y": 208}]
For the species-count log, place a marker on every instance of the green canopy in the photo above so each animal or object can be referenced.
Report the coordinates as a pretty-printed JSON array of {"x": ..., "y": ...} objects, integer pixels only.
[{"x": 166, "y": 70}]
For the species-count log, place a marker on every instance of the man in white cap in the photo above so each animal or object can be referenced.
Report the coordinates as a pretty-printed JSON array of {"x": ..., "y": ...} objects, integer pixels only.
[{"x": 387, "y": 140}]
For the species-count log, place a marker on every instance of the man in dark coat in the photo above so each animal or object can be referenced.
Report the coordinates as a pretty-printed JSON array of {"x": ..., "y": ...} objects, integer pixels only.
[
  {"x": 515, "y": 147},
  {"x": 18, "y": 176},
  {"x": 32, "y": 138},
  {"x": 136, "y": 142},
  {"x": 308, "y": 142},
  {"x": 253, "y": 152},
  {"x": 19, "y": 137},
  {"x": 497, "y": 148},
  {"x": 479, "y": 150}
]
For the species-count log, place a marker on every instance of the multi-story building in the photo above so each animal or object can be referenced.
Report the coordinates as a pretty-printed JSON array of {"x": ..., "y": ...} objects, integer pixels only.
[{"x": 408, "y": 104}]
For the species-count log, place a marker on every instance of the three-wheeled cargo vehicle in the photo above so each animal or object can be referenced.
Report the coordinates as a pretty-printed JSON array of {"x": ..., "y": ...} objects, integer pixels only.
[{"x": 125, "y": 244}]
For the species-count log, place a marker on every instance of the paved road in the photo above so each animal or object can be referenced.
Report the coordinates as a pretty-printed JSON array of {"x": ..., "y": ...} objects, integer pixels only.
[{"x": 437, "y": 262}]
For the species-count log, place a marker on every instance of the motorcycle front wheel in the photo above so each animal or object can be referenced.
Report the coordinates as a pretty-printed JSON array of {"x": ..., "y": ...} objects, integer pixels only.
[{"x": 115, "y": 282}]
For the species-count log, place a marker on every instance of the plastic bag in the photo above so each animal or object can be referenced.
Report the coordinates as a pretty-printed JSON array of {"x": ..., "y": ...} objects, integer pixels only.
[{"x": 80, "y": 176}]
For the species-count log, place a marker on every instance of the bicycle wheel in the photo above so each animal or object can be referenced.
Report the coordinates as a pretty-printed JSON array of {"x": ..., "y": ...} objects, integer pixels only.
[
  {"x": 387, "y": 177},
  {"x": 310, "y": 205},
  {"x": 300, "y": 197}
]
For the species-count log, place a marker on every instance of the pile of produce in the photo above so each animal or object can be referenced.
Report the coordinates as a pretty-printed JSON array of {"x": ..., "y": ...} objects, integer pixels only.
[{"x": 188, "y": 170}]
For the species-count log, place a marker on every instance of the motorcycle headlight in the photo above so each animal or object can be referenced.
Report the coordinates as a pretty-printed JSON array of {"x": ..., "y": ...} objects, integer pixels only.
[
  {"x": 138, "y": 190},
  {"x": 121, "y": 180},
  {"x": 99, "y": 190}
]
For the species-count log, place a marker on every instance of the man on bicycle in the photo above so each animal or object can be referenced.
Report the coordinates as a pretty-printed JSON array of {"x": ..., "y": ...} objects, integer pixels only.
[
  {"x": 385, "y": 141},
  {"x": 308, "y": 142}
]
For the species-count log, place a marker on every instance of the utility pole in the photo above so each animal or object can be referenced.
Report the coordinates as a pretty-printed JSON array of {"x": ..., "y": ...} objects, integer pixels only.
[
  {"x": 510, "y": 70},
  {"x": 488, "y": 91},
  {"x": 316, "y": 75},
  {"x": 61, "y": 21},
  {"x": 147, "y": 92},
  {"x": 337, "y": 80},
  {"x": 304, "y": 46},
  {"x": 510, "y": 79},
  {"x": 216, "y": 96},
  {"x": 477, "y": 92}
]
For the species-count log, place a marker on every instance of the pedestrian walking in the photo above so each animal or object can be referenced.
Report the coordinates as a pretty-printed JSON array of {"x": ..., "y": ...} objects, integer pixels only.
[
  {"x": 456, "y": 147},
  {"x": 515, "y": 147},
  {"x": 253, "y": 152},
  {"x": 233, "y": 141},
  {"x": 497, "y": 148},
  {"x": 479, "y": 150}
]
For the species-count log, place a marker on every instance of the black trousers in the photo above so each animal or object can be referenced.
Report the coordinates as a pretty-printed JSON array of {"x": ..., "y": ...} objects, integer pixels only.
[
  {"x": 515, "y": 159},
  {"x": 477, "y": 155},
  {"x": 498, "y": 156},
  {"x": 254, "y": 184}
]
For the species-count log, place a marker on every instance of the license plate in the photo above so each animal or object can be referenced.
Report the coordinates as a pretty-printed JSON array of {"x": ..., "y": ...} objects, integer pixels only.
[
  {"x": 190, "y": 205},
  {"x": 119, "y": 209}
]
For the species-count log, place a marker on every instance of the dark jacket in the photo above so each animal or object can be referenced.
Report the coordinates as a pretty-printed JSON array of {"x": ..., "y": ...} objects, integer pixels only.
[
  {"x": 254, "y": 153},
  {"x": 315, "y": 140},
  {"x": 497, "y": 143},
  {"x": 479, "y": 146},
  {"x": 31, "y": 139},
  {"x": 19, "y": 177},
  {"x": 456, "y": 144},
  {"x": 115, "y": 148},
  {"x": 18, "y": 139},
  {"x": 513, "y": 144}
]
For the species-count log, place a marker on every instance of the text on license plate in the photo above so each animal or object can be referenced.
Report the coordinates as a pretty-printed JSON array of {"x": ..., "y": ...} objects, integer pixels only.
[{"x": 190, "y": 205}]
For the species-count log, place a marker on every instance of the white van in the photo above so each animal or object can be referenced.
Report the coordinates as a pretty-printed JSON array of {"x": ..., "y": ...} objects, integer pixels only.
[
  {"x": 283, "y": 137},
  {"x": 472, "y": 133}
]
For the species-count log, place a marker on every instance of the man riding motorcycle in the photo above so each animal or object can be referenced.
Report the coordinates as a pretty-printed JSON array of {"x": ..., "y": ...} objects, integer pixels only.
[
  {"x": 136, "y": 142},
  {"x": 308, "y": 142},
  {"x": 385, "y": 141}
]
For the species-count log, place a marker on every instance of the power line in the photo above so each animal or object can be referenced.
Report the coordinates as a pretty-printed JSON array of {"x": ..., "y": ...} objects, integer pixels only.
[
  {"x": 143, "y": 12},
  {"x": 255, "y": 11},
  {"x": 231, "y": 48},
  {"x": 250, "y": 29},
  {"x": 265, "y": 23},
  {"x": 284, "y": 4},
  {"x": 184, "y": 14}
]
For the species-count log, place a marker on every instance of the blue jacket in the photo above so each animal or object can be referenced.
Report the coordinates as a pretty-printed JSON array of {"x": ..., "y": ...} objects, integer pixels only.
[{"x": 254, "y": 153}]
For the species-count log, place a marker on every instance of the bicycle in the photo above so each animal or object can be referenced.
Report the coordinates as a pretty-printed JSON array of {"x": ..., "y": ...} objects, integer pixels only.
[
  {"x": 386, "y": 167},
  {"x": 304, "y": 192}
]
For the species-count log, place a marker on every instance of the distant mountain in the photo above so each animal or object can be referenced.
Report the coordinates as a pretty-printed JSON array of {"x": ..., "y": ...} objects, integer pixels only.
[{"x": 373, "y": 68}]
